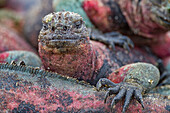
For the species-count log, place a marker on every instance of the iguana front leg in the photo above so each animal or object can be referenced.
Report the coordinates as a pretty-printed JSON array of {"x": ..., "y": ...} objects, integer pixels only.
[
  {"x": 111, "y": 39},
  {"x": 140, "y": 78}
]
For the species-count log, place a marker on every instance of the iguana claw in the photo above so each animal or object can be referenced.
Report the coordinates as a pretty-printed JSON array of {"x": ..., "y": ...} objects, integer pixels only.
[
  {"x": 104, "y": 82},
  {"x": 121, "y": 89}
]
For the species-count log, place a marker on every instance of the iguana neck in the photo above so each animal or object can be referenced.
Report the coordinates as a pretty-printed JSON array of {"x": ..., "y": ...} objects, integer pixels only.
[{"x": 79, "y": 63}]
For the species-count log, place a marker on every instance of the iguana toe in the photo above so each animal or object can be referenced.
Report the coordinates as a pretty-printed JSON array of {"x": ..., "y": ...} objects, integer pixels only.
[{"x": 122, "y": 89}]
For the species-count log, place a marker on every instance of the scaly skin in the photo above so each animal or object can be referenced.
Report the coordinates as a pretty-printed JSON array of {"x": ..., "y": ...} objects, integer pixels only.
[
  {"x": 145, "y": 18},
  {"x": 29, "y": 58},
  {"x": 65, "y": 48},
  {"x": 27, "y": 89}
]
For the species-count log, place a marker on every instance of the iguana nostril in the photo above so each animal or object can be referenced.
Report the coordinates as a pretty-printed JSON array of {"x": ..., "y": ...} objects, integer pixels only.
[
  {"x": 78, "y": 26},
  {"x": 53, "y": 28},
  {"x": 65, "y": 28}
]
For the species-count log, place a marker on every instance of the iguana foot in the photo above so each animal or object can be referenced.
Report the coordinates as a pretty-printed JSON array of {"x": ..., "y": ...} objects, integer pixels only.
[
  {"x": 122, "y": 89},
  {"x": 111, "y": 39}
]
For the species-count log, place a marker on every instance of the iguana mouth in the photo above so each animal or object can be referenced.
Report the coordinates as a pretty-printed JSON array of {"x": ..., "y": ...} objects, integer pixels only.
[
  {"x": 63, "y": 30},
  {"x": 63, "y": 43}
]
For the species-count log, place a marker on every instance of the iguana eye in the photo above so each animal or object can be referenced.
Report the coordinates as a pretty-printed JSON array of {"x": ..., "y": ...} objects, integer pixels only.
[
  {"x": 78, "y": 24},
  {"x": 45, "y": 27},
  {"x": 52, "y": 28},
  {"x": 65, "y": 28}
]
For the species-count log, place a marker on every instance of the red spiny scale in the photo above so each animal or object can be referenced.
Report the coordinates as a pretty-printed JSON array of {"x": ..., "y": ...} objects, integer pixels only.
[
  {"x": 34, "y": 91},
  {"x": 10, "y": 40}
]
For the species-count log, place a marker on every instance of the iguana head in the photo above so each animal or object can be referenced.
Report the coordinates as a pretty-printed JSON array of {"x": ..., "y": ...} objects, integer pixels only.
[
  {"x": 161, "y": 12},
  {"x": 63, "y": 31},
  {"x": 64, "y": 45}
]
